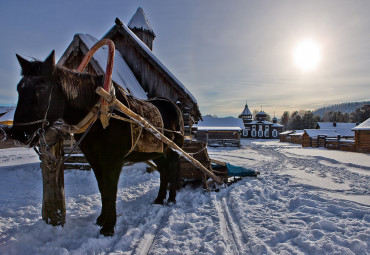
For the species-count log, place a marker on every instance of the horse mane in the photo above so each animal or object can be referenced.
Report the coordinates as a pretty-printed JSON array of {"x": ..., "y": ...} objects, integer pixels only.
[{"x": 79, "y": 88}]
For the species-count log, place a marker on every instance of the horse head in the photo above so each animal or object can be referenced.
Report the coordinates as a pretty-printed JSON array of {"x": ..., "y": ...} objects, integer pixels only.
[{"x": 38, "y": 102}]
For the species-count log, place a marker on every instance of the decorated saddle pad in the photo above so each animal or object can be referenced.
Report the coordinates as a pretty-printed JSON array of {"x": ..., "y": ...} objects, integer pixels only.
[{"x": 143, "y": 140}]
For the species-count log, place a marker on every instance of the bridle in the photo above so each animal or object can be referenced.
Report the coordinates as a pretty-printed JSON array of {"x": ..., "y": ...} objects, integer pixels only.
[{"x": 40, "y": 131}]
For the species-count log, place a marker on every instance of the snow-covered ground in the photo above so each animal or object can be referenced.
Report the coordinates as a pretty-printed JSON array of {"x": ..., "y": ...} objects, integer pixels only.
[{"x": 306, "y": 201}]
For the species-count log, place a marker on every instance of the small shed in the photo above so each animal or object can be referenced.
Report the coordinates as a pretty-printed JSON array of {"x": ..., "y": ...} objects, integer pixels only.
[
  {"x": 317, "y": 137},
  {"x": 225, "y": 132},
  {"x": 284, "y": 136},
  {"x": 296, "y": 137},
  {"x": 362, "y": 136}
]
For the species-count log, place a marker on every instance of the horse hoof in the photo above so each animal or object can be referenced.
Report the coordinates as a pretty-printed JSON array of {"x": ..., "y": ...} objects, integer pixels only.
[
  {"x": 171, "y": 202},
  {"x": 99, "y": 221},
  {"x": 158, "y": 202},
  {"x": 107, "y": 232}
]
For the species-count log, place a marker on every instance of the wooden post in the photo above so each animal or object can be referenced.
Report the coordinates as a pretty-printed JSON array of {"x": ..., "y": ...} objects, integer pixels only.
[
  {"x": 145, "y": 124},
  {"x": 53, "y": 202}
]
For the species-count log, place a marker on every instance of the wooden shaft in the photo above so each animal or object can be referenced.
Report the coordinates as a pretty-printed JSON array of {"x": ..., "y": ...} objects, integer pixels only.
[{"x": 145, "y": 124}]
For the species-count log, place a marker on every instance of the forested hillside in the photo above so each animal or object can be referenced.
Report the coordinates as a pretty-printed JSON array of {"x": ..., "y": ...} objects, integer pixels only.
[{"x": 344, "y": 108}]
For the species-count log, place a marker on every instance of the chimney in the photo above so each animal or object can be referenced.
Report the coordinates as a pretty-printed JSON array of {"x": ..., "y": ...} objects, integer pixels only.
[{"x": 140, "y": 26}]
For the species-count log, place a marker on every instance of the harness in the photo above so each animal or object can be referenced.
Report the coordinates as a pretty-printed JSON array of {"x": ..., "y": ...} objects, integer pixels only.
[{"x": 98, "y": 111}]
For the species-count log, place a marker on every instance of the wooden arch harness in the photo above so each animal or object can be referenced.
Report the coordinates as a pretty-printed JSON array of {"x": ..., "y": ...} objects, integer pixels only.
[{"x": 142, "y": 140}]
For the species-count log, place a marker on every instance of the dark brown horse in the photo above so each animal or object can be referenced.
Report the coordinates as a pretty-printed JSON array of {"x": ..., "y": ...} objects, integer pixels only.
[{"x": 48, "y": 93}]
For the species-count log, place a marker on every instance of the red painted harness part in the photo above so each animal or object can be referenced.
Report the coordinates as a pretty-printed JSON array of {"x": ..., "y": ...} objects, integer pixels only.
[{"x": 109, "y": 69}]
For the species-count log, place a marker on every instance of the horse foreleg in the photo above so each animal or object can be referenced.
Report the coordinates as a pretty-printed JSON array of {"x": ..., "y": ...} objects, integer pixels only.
[
  {"x": 162, "y": 167},
  {"x": 109, "y": 196}
]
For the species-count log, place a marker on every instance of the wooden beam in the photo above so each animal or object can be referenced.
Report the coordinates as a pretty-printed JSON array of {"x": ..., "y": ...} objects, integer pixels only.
[{"x": 145, "y": 124}]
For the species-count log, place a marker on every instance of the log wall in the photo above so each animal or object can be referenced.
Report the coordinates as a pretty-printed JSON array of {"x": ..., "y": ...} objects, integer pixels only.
[{"x": 362, "y": 140}]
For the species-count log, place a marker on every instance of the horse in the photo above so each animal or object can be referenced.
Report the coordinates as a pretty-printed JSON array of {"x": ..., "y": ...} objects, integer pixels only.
[{"x": 48, "y": 93}]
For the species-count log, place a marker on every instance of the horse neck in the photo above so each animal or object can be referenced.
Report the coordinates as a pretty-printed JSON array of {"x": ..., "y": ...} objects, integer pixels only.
[{"x": 79, "y": 92}]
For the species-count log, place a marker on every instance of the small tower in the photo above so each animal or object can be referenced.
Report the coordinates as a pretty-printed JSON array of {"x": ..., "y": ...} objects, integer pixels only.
[
  {"x": 139, "y": 24},
  {"x": 246, "y": 115}
]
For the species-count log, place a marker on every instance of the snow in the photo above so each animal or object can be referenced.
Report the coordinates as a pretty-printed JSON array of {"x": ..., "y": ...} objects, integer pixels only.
[
  {"x": 313, "y": 133},
  {"x": 8, "y": 116},
  {"x": 305, "y": 201},
  {"x": 343, "y": 129},
  {"x": 363, "y": 126},
  {"x": 140, "y": 21},
  {"x": 227, "y": 122},
  {"x": 155, "y": 59},
  {"x": 219, "y": 128},
  {"x": 122, "y": 74}
]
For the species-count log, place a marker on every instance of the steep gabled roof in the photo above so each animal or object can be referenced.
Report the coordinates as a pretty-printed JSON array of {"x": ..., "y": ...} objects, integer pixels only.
[
  {"x": 140, "y": 21},
  {"x": 363, "y": 126},
  {"x": 122, "y": 74},
  {"x": 150, "y": 56},
  {"x": 246, "y": 111}
]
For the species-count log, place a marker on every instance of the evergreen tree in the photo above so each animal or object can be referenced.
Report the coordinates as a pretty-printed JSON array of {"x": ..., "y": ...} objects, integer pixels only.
[
  {"x": 360, "y": 114},
  {"x": 284, "y": 119}
]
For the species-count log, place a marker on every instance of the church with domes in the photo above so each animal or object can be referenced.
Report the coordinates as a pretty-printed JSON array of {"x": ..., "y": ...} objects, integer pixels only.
[{"x": 259, "y": 128}]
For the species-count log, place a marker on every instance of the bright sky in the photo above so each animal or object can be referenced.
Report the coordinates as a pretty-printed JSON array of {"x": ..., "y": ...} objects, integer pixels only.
[{"x": 224, "y": 52}]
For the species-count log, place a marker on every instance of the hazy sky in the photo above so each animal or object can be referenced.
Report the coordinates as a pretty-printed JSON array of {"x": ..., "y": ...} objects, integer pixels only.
[{"x": 224, "y": 52}]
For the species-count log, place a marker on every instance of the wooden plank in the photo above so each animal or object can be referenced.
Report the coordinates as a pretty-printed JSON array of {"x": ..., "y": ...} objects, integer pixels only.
[{"x": 145, "y": 124}]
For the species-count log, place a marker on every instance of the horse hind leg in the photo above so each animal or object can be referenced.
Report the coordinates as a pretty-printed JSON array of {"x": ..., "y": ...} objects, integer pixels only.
[
  {"x": 173, "y": 174},
  {"x": 168, "y": 169}
]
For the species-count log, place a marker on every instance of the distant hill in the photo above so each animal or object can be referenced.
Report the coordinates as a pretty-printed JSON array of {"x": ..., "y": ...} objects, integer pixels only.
[{"x": 344, "y": 108}]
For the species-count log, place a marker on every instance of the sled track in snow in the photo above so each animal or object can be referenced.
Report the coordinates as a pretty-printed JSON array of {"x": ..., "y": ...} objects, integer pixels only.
[
  {"x": 229, "y": 227},
  {"x": 147, "y": 238}
]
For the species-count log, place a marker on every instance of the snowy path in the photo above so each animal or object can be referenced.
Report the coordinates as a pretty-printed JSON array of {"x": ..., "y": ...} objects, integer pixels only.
[{"x": 306, "y": 201}]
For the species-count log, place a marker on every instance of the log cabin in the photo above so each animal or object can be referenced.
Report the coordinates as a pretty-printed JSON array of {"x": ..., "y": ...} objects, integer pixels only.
[
  {"x": 362, "y": 136},
  {"x": 136, "y": 67},
  {"x": 219, "y": 132}
]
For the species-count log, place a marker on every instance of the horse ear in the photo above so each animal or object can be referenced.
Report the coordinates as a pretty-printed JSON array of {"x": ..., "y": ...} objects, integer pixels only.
[
  {"x": 25, "y": 64},
  {"x": 51, "y": 59},
  {"x": 49, "y": 63}
]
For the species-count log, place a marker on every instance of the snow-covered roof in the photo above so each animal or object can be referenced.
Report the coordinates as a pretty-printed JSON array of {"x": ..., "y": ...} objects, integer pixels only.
[
  {"x": 297, "y": 133},
  {"x": 228, "y": 122},
  {"x": 343, "y": 129},
  {"x": 313, "y": 133},
  {"x": 256, "y": 122},
  {"x": 363, "y": 126},
  {"x": 148, "y": 52},
  {"x": 122, "y": 74},
  {"x": 140, "y": 21},
  {"x": 220, "y": 128},
  {"x": 276, "y": 125},
  {"x": 287, "y": 132},
  {"x": 9, "y": 116},
  {"x": 246, "y": 111}
]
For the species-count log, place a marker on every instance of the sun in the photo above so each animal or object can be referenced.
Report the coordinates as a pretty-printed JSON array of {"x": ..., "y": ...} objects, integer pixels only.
[{"x": 307, "y": 55}]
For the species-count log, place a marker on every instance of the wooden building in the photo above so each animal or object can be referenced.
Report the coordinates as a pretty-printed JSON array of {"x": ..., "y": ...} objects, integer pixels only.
[
  {"x": 284, "y": 136},
  {"x": 317, "y": 137},
  {"x": 342, "y": 129},
  {"x": 296, "y": 137},
  {"x": 259, "y": 128},
  {"x": 219, "y": 132},
  {"x": 137, "y": 65},
  {"x": 362, "y": 137}
]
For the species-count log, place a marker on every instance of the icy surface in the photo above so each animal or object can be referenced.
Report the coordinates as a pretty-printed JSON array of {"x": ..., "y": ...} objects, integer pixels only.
[{"x": 305, "y": 201}]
